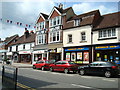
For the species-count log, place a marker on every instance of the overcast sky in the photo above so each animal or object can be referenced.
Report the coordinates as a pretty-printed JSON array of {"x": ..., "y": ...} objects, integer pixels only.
[{"x": 27, "y": 12}]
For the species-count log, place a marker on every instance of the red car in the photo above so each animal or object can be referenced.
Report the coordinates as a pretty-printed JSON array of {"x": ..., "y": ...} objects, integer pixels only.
[
  {"x": 42, "y": 64},
  {"x": 65, "y": 66}
]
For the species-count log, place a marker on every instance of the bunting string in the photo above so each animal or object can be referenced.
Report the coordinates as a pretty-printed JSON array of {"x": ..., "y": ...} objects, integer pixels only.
[{"x": 18, "y": 23}]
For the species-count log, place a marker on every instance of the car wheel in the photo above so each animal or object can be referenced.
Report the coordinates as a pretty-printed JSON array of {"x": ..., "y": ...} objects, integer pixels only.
[
  {"x": 34, "y": 67},
  {"x": 42, "y": 68},
  {"x": 51, "y": 69},
  {"x": 107, "y": 74},
  {"x": 81, "y": 72},
  {"x": 66, "y": 71}
]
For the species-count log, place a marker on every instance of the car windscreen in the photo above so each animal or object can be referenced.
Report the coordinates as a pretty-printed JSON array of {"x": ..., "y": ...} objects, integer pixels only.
[{"x": 71, "y": 62}]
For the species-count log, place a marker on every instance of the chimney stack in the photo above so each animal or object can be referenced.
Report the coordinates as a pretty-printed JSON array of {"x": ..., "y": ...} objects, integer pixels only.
[
  {"x": 61, "y": 6},
  {"x": 26, "y": 34}
]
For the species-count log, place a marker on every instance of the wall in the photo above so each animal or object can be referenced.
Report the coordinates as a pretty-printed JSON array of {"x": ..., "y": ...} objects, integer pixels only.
[{"x": 76, "y": 36}]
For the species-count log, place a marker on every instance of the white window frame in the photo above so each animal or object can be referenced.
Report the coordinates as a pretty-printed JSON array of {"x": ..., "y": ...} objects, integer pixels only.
[
  {"x": 56, "y": 33},
  {"x": 41, "y": 39},
  {"x": 70, "y": 41},
  {"x": 76, "y": 22},
  {"x": 83, "y": 36},
  {"x": 109, "y": 33},
  {"x": 51, "y": 21}
]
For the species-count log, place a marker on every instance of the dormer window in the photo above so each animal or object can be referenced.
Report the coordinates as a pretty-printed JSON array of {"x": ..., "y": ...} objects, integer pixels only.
[
  {"x": 76, "y": 22},
  {"x": 42, "y": 24}
]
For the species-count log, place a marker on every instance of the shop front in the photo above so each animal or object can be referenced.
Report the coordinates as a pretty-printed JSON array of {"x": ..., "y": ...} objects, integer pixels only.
[
  {"x": 109, "y": 53},
  {"x": 39, "y": 55},
  {"x": 55, "y": 52},
  {"x": 80, "y": 55},
  {"x": 9, "y": 55},
  {"x": 25, "y": 57}
]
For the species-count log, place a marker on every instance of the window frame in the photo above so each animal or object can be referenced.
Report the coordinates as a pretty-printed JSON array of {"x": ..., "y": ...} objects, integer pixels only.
[
  {"x": 70, "y": 38},
  {"x": 83, "y": 37}
]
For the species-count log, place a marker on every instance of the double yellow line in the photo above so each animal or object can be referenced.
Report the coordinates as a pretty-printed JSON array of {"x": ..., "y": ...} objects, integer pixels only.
[{"x": 24, "y": 86}]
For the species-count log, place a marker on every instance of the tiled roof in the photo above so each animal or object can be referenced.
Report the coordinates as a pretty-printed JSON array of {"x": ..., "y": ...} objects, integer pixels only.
[
  {"x": 45, "y": 15},
  {"x": 22, "y": 39},
  {"x": 8, "y": 39},
  {"x": 86, "y": 19},
  {"x": 108, "y": 20},
  {"x": 63, "y": 10}
]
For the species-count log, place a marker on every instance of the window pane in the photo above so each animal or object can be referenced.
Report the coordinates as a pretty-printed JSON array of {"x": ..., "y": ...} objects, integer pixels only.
[
  {"x": 54, "y": 36},
  {"x": 70, "y": 38},
  {"x": 100, "y": 34},
  {"x": 57, "y": 36},
  {"x": 104, "y": 33},
  {"x": 109, "y": 33},
  {"x": 113, "y": 32},
  {"x": 83, "y": 36},
  {"x": 58, "y": 20}
]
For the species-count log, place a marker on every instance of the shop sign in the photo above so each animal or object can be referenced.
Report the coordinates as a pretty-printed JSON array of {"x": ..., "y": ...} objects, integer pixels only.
[
  {"x": 41, "y": 51},
  {"x": 59, "y": 50},
  {"x": 77, "y": 49},
  {"x": 107, "y": 47},
  {"x": 9, "y": 53},
  {"x": 24, "y": 52}
]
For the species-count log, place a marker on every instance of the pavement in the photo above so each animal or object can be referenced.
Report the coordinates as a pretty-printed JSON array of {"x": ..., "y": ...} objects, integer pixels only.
[{"x": 20, "y": 65}]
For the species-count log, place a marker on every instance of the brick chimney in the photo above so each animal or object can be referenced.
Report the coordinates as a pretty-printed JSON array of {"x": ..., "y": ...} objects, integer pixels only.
[
  {"x": 61, "y": 6},
  {"x": 26, "y": 33}
]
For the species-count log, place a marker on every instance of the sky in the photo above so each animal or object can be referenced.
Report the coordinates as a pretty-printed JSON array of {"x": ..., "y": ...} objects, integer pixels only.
[{"x": 27, "y": 12}]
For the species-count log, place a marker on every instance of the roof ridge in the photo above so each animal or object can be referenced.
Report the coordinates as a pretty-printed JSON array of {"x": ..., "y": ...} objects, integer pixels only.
[{"x": 111, "y": 13}]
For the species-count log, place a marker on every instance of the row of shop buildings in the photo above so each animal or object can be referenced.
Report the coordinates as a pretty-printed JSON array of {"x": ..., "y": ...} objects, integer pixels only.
[{"x": 63, "y": 35}]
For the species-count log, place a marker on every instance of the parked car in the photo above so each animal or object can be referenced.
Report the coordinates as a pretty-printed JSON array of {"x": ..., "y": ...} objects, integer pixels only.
[
  {"x": 65, "y": 66},
  {"x": 43, "y": 64},
  {"x": 108, "y": 69}
]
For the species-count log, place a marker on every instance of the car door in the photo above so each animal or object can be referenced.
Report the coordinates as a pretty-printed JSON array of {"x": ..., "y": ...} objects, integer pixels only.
[
  {"x": 92, "y": 68},
  {"x": 57, "y": 65}
]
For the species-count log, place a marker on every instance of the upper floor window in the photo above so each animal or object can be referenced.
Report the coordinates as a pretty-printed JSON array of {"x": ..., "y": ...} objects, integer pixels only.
[
  {"x": 23, "y": 46},
  {"x": 41, "y": 39},
  {"x": 107, "y": 33},
  {"x": 69, "y": 38},
  {"x": 77, "y": 22},
  {"x": 54, "y": 36},
  {"x": 10, "y": 49},
  {"x": 54, "y": 21},
  {"x": 16, "y": 48},
  {"x": 83, "y": 36},
  {"x": 41, "y": 25}
]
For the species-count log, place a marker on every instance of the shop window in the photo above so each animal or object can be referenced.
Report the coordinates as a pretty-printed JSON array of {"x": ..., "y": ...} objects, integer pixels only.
[{"x": 69, "y": 38}]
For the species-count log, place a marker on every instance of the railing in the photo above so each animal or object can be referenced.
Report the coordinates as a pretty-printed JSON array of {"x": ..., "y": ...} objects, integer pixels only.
[{"x": 9, "y": 77}]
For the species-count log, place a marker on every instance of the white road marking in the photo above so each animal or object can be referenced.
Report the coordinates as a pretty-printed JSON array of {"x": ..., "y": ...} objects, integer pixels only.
[
  {"x": 109, "y": 80},
  {"x": 82, "y": 86},
  {"x": 86, "y": 77}
]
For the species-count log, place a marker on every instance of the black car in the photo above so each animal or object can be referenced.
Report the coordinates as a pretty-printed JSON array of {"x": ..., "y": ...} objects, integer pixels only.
[{"x": 108, "y": 69}]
